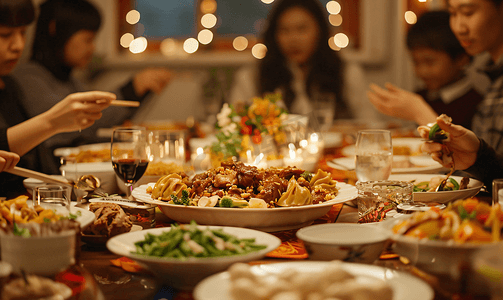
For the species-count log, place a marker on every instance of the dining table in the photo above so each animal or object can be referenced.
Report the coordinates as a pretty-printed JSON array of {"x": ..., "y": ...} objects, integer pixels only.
[{"x": 101, "y": 274}]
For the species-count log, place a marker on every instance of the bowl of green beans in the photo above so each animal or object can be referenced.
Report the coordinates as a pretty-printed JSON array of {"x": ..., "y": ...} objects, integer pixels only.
[{"x": 184, "y": 254}]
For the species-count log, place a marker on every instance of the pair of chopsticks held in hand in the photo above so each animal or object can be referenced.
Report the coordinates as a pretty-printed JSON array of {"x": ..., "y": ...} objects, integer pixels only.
[{"x": 123, "y": 103}]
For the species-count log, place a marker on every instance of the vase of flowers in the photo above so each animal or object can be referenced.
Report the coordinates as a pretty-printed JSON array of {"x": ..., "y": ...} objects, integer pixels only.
[{"x": 251, "y": 131}]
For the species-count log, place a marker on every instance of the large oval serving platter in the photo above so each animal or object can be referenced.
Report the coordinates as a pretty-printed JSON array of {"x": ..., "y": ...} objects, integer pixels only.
[{"x": 264, "y": 219}]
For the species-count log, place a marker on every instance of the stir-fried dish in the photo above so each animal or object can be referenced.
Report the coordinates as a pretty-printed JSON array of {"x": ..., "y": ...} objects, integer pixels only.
[
  {"x": 235, "y": 184},
  {"x": 463, "y": 221},
  {"x": 451, "y": 185}
]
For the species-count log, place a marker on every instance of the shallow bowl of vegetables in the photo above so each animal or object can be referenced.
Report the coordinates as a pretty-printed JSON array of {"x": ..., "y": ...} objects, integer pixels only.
[
  {"x": 453, "y": 191},
  {"x": 445, "y": 243},
  {"x": 184, "y": 254}
]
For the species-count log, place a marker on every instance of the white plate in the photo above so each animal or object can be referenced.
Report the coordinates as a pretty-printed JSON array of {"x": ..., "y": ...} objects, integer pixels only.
[
  {"x": 441, "y": 197},
  {"x": 413, "y": 143},
  {"x": 31, "y": 183},
  {"x": 423, "y": 164},
  {"x": 186, "y": 274},
  {"x": 85, "y": 219},
  {"x": 63, "y": 152},
  {"x": 405, "y": 286},
  {"x": 265, "y": 219}
]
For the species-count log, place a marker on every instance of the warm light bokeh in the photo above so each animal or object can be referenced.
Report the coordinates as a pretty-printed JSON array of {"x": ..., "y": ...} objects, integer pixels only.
[
  {"x": 133, "y": 17},
  {"x": 259, "y": 50},
  {"x": 240, "y": 43},
  {"x": 205, "y": 36},
  {"x": 190, "y": 45},
  {"x": 126, "y": 40},
  {"x": 208, "y": 20},
  {"x": 138, "y": 45}
]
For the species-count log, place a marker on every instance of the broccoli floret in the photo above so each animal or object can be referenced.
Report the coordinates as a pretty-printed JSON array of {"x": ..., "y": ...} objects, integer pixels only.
[
  {"x": 307, "y": 176},
  {"x": 183, "y": 200},
  {"x": 228, "y": 202}
]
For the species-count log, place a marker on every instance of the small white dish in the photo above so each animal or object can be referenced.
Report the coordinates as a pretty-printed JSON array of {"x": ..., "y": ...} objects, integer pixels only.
[{"x": 346, "y": 242}]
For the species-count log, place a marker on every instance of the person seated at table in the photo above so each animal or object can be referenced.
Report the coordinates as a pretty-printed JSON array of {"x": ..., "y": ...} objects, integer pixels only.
[
  {"x": 299, "y": 62},
  {"x": 19, "y": 134},
  {"x": 8, "y": 160},
  {"x": 469, "y": 152},
  {"x": 440, "y": 61},
  {"x": 64, "y": 41}
]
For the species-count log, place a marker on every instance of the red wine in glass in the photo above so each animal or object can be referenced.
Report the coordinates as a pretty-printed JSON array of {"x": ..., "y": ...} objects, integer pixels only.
[{"x": 130, "y": 170}]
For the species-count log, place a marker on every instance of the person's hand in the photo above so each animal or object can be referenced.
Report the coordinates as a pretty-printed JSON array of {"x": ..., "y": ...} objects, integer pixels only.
[
  {"x": 152, "y": 79},
  {"x": 78, "y": 111},
  {"x": 395, "y": 102},
  {"x": 463, "y": 144},
  {"x": 8, "y": 160}
]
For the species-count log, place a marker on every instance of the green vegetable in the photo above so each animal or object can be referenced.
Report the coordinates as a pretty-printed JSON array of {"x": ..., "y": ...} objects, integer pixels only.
[
  {"x": 307, "y": 176},
  {"x": 24, "y": 232},
  {"x": 229, "y": 202},
  {"x": 436, "y": 133},
  {"x": 183, "y": 241},
  {"x": 184, "y": 200},
  {"x": 454, "y": 183}
]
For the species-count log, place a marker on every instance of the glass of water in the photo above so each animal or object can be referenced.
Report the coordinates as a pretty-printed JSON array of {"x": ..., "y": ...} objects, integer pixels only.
[
  {"x": 52, "y": 196},
  {"x": 374, "y": 155}
]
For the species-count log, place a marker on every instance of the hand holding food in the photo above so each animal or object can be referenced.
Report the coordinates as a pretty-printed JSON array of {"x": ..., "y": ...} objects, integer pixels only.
[{"x": 462, "y": 143}]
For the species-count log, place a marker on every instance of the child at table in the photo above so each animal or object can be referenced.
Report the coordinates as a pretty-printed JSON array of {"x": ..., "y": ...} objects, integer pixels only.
[{"x": 439, "y": 60}]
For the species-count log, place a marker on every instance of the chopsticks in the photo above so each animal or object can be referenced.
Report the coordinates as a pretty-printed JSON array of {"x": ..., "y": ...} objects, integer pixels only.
[
  {"x": 125, "y": 103},
  {"x": 37, "y": 175}
]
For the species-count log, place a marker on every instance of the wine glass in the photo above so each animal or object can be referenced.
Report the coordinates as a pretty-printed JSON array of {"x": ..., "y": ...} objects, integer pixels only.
[
  {"x": 130, "y": 155},
  {"x": 374, "y": 155}
]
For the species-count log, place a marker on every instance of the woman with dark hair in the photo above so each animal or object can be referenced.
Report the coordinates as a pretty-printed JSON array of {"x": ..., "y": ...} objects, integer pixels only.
[
  {"x": 298, "y": 63},
  {"x": 64, "y": 41},
  {"x": 19, "y": 134}
]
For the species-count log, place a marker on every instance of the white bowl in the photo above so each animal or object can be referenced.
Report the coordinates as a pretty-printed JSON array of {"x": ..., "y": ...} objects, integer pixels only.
[
  {"x": 44, "y": 256},
  {"x": 103, "y": 170},
  {"x": 265, "y": 219},
  {"x": 450, "y": 262},
  {"x": 31, "y": 183},
  {"x": 346, "y": 242},
  {"x": 185, "y": 274},
  {"x": 474, "y": 187}
]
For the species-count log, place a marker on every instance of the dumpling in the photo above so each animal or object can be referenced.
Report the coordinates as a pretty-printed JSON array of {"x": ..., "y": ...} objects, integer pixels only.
[
  {"x": 168, "y": 185},
  {"x": 295, "y": 195},
  {"x": 325, "y": 181}
]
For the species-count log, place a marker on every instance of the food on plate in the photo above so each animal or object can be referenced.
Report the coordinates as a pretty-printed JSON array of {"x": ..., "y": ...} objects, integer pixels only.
[
  {"x": 35, "y": 287},
  {"x": 184, "y": 241},
  {"x": 86, "y": 156},
  {"x": 438, "y": 135},
  {"x": 463, "y": 221},
  {"x": 110, "y": 220},
  {"x": 333, "y": 282},
  {"x": 33, "y": 229},
  {"x": 451, "y": 185},
  {"x": 246, "y": 186},
  {"x": 17, "y": 211},
  {"x": 160, "y": 168}
]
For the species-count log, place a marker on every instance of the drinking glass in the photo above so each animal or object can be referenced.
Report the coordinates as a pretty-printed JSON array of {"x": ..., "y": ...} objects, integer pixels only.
[
  {"x": 52, "y": 196},
  {"x": 374, "y": 155},
  {"x": 497, "y": 191},
  {"x": 130, "y": 157}
]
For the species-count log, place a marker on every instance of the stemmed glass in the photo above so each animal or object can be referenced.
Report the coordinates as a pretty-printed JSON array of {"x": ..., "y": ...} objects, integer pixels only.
[
  {"x": 374, "y": 155},
  {"x": 130, "y": 155}
]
